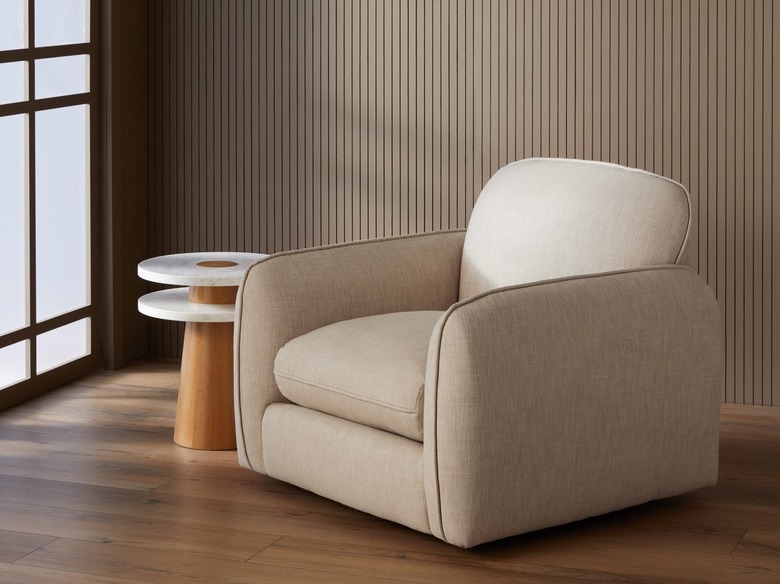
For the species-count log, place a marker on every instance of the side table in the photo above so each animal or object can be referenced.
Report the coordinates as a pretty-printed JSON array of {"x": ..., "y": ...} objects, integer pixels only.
[{"x": 204, "y": 409}]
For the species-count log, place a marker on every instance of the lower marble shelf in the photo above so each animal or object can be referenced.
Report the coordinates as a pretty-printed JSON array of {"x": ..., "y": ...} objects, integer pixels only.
[{"x": 172, "y": 304}]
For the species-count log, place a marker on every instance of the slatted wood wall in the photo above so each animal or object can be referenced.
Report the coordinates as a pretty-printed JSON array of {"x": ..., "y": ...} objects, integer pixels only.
[{"x": 282, "y": 124}]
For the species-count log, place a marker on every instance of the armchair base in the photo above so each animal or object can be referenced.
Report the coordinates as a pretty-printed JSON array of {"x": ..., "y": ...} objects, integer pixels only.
[{"x": 364, "y": 468}]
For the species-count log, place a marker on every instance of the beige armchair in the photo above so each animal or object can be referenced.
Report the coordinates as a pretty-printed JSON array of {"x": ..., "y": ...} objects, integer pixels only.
[{"x": 555, "y": 361}]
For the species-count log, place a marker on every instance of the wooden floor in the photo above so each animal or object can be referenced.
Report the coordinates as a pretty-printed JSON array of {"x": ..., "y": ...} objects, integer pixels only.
[{"x": 92, "y": 489}]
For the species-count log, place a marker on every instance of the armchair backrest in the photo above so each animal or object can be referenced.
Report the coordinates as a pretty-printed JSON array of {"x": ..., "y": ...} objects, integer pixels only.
[{"x": 545, "y": 218}]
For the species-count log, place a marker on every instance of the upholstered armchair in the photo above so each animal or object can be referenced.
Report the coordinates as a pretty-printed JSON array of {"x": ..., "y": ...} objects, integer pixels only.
[{"x": 555, "y": 361}]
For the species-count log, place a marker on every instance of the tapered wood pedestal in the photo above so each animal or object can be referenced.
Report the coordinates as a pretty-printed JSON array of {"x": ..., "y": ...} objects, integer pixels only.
[{"x": 204, "y": 409}]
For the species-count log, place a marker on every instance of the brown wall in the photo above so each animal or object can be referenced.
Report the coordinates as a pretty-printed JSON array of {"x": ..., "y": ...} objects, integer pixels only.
[
  {"x": 124, "y": 238},
  {"x": 283, "y": 124}
]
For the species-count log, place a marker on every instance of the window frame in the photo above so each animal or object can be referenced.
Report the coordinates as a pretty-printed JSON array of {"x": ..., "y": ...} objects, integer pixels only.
[{"x": 38, "y": 383}]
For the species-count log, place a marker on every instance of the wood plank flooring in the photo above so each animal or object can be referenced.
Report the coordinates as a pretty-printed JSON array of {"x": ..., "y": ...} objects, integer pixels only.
[{"x": 92, "y": 489}]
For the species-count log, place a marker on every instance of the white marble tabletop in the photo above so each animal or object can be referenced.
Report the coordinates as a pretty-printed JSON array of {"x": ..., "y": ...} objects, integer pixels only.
[
  {"x": 172, "y": 304},
  {"x": 216, "y": 268}
]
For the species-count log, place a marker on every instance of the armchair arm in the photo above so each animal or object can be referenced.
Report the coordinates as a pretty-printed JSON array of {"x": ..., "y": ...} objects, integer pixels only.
[
  {"x": 553, "y": 401},
  {"x": 291, "y": 293}
]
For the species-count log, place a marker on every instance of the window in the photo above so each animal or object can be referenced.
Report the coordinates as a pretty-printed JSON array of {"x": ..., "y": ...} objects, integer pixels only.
[{"x": 47, "y": 162}]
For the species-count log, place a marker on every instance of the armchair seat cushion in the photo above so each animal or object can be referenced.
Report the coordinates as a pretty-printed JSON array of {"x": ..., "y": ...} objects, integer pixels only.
[{"x": 368, "y": 370}]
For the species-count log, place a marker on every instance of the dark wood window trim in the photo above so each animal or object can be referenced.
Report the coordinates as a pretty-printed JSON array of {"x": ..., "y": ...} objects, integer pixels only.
[{"x": 39, "y": 383}]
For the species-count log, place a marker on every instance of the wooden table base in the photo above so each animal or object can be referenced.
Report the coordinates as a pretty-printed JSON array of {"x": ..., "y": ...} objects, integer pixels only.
[{"x": 204, "y": 411}]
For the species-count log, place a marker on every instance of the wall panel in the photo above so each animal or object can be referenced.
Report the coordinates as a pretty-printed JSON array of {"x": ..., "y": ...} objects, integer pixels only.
[{"x": 277, "y": 125}]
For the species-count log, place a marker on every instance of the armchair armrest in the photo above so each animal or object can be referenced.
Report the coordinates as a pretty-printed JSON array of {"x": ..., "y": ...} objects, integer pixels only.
[
  {"x": 291, "y": 293},
  {"x": 554, "y": 401}
]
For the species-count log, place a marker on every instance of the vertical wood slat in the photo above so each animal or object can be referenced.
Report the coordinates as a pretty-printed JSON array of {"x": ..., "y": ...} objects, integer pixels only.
[
  {"x": 765, "y": 220},
  {"x": 740, "y": 114},
  {"x": 278, "y": 125},
  {"x": 749, "y": 204}
]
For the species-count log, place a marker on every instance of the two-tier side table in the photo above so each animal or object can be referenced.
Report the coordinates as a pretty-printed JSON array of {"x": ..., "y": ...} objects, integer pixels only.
[{"x": 204, "y": 410}]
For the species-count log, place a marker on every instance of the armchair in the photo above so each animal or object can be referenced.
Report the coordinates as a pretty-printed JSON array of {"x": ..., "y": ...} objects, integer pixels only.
[{"x": 556, "y": 361}]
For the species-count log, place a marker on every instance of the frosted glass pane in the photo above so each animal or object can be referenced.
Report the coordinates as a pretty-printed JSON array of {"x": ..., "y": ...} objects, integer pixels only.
[
  {"x": 13, "y": 24},
  {"x": 13, "y": 82},
  {"x": 64, "y": 344},
  {"x": 14, "y": 364},
  {"x": 61, "y": 22},
  {"x": 61, "y": 76},
  {"x": 61, "y": 210},
  {"x": 13, "y": 222}
]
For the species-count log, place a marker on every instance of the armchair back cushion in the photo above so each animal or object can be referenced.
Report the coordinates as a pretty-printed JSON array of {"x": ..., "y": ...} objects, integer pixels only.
[{"x": 538, "y": 219}]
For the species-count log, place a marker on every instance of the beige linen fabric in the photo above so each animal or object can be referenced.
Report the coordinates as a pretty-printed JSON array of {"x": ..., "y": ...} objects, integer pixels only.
[
  {"x": 290, "y": 294},
  {"x": 369, "y": 370},
  {"x": 555, "y": 401},
  {"x": 539, "y": 219},
  {"x": 371, "y": 470}
]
